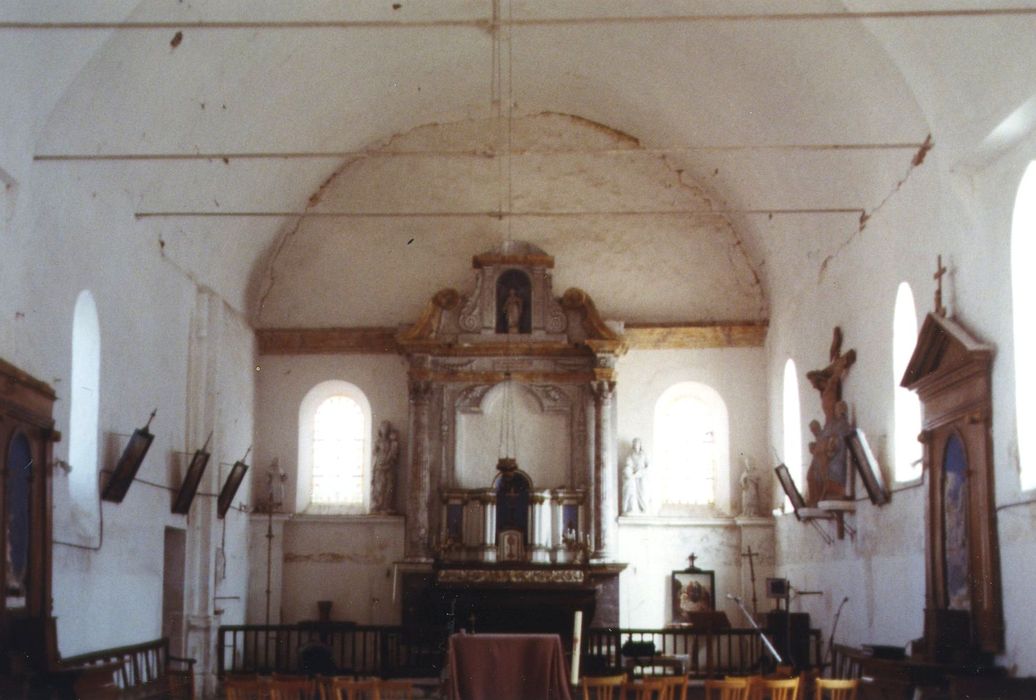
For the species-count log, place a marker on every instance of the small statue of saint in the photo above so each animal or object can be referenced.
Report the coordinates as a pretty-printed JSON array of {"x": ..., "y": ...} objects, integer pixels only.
[
  {"x": 749, "y": 489},
  {"x": 383, "y": 476},
  {"x": 513, "y": 311},
  {"x": 634, "y": 471}
]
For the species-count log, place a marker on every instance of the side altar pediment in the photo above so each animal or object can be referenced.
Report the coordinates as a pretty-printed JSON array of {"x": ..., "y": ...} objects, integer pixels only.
[
  {"x": 945, "y": 352},
  {"x": 510, "y": 310}
]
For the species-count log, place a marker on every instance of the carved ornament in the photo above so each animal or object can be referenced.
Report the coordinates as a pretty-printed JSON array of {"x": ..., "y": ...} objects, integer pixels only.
[
  {"x": 511, "y": 576},
  {"x": 427, "y": 326}
]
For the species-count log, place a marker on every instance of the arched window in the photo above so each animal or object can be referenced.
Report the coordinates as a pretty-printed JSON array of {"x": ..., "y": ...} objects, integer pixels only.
[
  {"x": 84, "y": 402},
  {"x": 1023, "y": 290},
  {"x": 791, "y": 419},
  {"x": 906, "y": 404},
  {"x": 691, "y": 440},
  {"x": 334, "y": 449}
]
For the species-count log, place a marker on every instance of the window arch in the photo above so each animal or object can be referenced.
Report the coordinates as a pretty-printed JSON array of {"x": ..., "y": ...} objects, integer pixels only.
[
  {"x": 791, "y": 420},
  {"x": 1023, "y": 287},
  {"x": 692, "y": 443},
  {"x": 906, "y": 404},
  {"x": 334, "y": 449},
  {"x": 84, "y": 402}
]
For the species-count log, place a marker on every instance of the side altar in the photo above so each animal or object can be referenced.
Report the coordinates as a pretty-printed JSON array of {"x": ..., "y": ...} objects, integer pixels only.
[{"x": 512, "y": 498}]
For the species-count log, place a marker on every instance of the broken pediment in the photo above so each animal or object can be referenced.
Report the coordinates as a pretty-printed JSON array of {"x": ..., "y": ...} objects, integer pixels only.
[
  {"x": 512, "y": 309},
  {"x": 945, "y": 350}
]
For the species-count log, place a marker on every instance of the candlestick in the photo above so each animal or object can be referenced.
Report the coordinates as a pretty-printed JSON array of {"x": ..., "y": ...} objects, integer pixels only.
[{"x": 577, "y": 644}]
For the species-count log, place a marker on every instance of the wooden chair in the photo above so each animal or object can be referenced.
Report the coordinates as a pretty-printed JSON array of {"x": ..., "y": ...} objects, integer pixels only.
[
  {"x": 727, "y": 689},
  {"x": 838, "y": 688},
  {"x": 245, "y": 688},
  {"x": 396, "y": 689},
  {"x": 675, "y": 687},
  {"x": 755, "y": 686},
  {"x": 350, "y": 689},
  {"x": 292, "y": 688},
  {"x": 602, "y": 687},
  {"x": 644, "y": 689},
  {"x": 782, "y": 688}
]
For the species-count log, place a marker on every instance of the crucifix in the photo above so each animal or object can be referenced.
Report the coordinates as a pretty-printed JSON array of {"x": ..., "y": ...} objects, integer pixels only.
[
  {"x": 939, "y": 272},
  {"x": 691, "y": 560},
  {"x": 750, "y": 555}
]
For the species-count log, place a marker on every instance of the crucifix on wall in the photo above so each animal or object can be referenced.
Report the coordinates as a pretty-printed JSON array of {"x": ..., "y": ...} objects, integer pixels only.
[{"x": 827, "y": 477}]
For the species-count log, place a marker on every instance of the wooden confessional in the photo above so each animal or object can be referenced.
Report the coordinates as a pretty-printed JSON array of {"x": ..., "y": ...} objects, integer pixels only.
[{"x": 27, "y": 630}]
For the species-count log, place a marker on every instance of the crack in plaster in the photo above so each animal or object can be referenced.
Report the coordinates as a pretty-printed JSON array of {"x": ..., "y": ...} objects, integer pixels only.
[
  {"x": 289, "y": 233},
  {"x": 865, "y": 216},
  {"x": 734, "y": 251},
  {"x": 738, "y": 246}
]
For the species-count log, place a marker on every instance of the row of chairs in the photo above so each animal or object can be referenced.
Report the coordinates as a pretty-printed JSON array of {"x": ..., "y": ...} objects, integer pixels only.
[
  {"x": 283, "y": 687},
  {"x": 731, "y": 688}
]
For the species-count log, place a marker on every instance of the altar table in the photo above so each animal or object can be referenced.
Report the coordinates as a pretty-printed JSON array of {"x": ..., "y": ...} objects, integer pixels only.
[{"x": 507, "y": 667}]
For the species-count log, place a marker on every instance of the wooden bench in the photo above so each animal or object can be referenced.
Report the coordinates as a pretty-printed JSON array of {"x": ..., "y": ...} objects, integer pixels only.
[{"x": 145, "y": 671}]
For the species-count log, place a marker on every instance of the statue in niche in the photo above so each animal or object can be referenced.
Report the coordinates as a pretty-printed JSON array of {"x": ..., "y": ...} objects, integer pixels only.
[
  {"x": 749, "y": 489},
  {"x": 513, "y": 311},
  {"x": 827, "y": 476},
  {"x": 383, "y": 476},
  {"x": 634, "y": 471},
  {"x": 513, "y": 303}
]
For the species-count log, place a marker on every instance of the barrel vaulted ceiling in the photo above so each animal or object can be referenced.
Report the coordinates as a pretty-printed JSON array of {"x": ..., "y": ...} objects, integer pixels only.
[{"x": 250, "y": 137}]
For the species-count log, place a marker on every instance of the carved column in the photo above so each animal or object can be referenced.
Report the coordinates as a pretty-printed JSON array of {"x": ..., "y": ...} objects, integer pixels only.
[
  {"x": 417, "y": 521},
  {"x": 488, "y": 499},
  {"x": 605, "y": 476},
  {"x": 539, "y": 504},
  {"x": 588, "y": 533}
]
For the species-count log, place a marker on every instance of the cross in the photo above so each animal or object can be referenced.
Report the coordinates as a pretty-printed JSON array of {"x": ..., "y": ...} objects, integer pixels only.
[
  {"x": 750, "y": 555},
  {"x": 691, "y": 559},
  {"x": 939, "y": 272}
]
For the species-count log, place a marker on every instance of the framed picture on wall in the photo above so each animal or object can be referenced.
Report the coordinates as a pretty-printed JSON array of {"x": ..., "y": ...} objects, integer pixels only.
[
  {"x": 226, "y": 494},
  {"x": 790, "y": 490},
  {"x": 128, "y": 465},
  {"x": 185, "y": 495},
  {"x": 868, "y": 468},
  {"x": 693, "y": 592}
]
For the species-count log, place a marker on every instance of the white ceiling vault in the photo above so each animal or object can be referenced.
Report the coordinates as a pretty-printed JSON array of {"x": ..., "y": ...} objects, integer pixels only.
[{"x": 252, "y": 136}]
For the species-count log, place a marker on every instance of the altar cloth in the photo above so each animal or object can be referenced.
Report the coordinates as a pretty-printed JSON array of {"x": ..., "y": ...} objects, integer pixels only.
[{"x": 507, "y": 667}]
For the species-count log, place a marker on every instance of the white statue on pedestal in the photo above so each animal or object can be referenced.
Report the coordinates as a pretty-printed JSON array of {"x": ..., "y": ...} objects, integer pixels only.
[
  {"x": 749, "y": 489},
  {"x": 634, "y": 471}
]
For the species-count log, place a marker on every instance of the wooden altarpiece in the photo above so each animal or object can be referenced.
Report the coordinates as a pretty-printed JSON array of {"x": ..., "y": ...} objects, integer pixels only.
[
  {"x": 950, "y": 371},
  {"x": 521, "y": 546},
  {"x": 27, "y": 630}
]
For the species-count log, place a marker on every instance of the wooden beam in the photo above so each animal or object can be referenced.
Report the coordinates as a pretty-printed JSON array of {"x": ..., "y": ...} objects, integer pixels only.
[
  {"x": 327, "y": 341},
  {"x": 694, "y": 336}
]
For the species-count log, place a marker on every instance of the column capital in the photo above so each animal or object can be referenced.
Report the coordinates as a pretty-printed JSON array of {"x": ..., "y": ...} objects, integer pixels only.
[
  {"x": 603, "y": 389},
  {"x": 420, "y": 390}
]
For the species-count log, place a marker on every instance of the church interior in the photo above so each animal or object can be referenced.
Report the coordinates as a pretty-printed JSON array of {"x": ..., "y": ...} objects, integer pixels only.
[{"x": 349, "y": 326}]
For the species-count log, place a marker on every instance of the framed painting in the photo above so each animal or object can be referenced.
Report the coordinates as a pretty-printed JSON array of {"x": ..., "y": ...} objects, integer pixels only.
[
  {"x": 184, "y": 497},
  {"x": 790, "y": 490},
  {"x": 693, "y": 592},
  {"x": 226, "y": 494},
  {"x": 127, "y": 466},
  {"x": 868, "y": 468}
]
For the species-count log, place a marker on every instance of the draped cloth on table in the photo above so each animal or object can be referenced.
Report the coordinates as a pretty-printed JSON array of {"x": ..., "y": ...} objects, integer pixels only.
[{"x": 507, "y": 667}]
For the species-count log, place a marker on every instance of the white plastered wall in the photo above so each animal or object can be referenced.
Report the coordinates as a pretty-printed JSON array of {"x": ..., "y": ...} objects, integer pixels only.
[
  {"x": 655, "y": 546},
  {"x": 965, "y": 217},
  {"x": 67, "y": 233}
]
